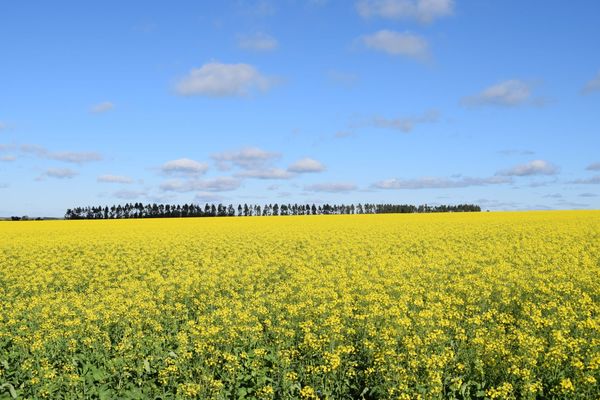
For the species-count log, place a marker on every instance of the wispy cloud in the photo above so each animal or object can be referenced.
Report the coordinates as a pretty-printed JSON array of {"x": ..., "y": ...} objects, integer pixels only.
[
  {"x": 223, "y": 80},
  {"x": 439, "y": 183},
  {"x": 115, "y": 179},
  {"x": 593, "y": 167},
  {"x": 331, "y": 187},
  {"x": 220, "y": 184},
  {"x": 398, "y": 44},
  {"x": 594, "y": 180},
  {"x": 66, "y": 156},
  {"x": 306, "y": 165},
  {"x": 102, "y": 107},
  {"x": 184, "y": 166},
  {"x": 268, "y": 173},
  {"x": 535, "y": 167},
  {"x": 60, "y": 173},
  {"x": 8, "y": 158},
  {"x": 588, "y": 194},
  {"x": 424, "y": 11},
  {"x": 592, "y": 86},
  {"x": 257, "y": 42},
  {"x": 508, "y": 93},
  {"x": 129, "y": 194},
  {"x": 406, "y": 124},
  {"x": 246, "y": 158},
  {"x": 553, "y": 196}
]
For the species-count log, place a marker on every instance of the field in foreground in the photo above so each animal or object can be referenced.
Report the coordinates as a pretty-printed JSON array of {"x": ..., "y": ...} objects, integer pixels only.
[{"x": 494, "y": 305}]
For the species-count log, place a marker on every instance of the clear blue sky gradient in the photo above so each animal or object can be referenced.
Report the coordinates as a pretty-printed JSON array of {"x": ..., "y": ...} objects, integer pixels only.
[{"x": 59, "y": 60}]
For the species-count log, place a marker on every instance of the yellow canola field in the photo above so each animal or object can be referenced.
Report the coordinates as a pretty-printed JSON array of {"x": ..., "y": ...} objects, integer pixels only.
[{"x": 427, "y": 306}]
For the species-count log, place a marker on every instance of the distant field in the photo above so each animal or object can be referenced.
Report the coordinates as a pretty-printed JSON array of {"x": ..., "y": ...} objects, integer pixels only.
[{"x": 494, "y": 305}]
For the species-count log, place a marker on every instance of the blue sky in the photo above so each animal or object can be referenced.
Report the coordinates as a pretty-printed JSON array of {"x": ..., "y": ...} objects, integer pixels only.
[{"x": 402, "y": 101}]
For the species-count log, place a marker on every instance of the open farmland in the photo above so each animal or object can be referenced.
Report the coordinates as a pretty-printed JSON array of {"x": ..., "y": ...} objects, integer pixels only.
[{"x": 494, "y": 305}]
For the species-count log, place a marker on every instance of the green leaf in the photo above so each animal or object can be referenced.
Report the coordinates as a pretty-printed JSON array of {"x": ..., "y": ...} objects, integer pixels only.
[
  {"x": 11, "y": 389},
  {"x": 242, "y": 392},
  {"x": 147, "y": 366}
]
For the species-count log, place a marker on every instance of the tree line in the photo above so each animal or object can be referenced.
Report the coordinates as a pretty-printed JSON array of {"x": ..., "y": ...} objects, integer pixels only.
[{"x": 140, "y": 210}]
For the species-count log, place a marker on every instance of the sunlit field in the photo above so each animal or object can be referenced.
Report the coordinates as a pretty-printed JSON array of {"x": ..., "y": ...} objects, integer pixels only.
[{"x": 458, "y": 306}]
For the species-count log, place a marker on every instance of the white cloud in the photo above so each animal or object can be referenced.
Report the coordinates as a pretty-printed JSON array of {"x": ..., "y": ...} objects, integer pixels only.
[
  {"x": 593, "y": 85},
  {"x": 397, "y": 43},
  {"x": 8, "y": 158},
  {"x": 257, "y": 42},
  {"x": 2, "y": 126},
  {"x": 115, "y": 179},
  {"x": 306, "y": 165},
  {"x": 407, "y": 124},
  {"x": 516, "y": 152},
  {"x": 66, "y": 156},
  {"x": 60, "y": 173},
  {"x": 246, "y": 158},
  {"x": 594, "y": 180},
  {"x": 221, "y": 80},
  {"x": 535, "y": 167},
  {"x": 75, "y": 157},
  {"x": 102, "y": 107},
  {"x": 512, "y": 92},
  {"x": 438, "y": 183},
  {"x": 220, "y": 184},
  {"x": 331, "y": 187},
  {"x": 129, "y": 194},
  {"x": 588, "y": 194},
  {"x": 184, "y": 166},
  {"x": 593, "y": 167},
  {"x": 268, "y": 173},
  {"x": 424, "y": 11}
]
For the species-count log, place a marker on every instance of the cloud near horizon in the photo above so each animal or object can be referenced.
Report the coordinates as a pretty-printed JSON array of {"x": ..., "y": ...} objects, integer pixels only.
[
  {"x": 331, "y": 187},
  {"x": 535, "y": 167},
  {"x": 184, "y": 166},
  {"x": 245, "y": 158},
  {"x": 306, "y": 165},
  {"x": 115, "y": 179},
  {"x": 219, "y": 184},
  {"x": 439, "y": 183},
  {"x": 268, "y": 173}
]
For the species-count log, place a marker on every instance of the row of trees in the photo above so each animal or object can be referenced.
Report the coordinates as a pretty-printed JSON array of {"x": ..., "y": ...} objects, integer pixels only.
[{"x": 139, "y": 210}]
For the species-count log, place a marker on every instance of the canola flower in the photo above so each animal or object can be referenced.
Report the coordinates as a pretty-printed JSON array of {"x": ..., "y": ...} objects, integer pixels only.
[{"x": 444, "y": 306}]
